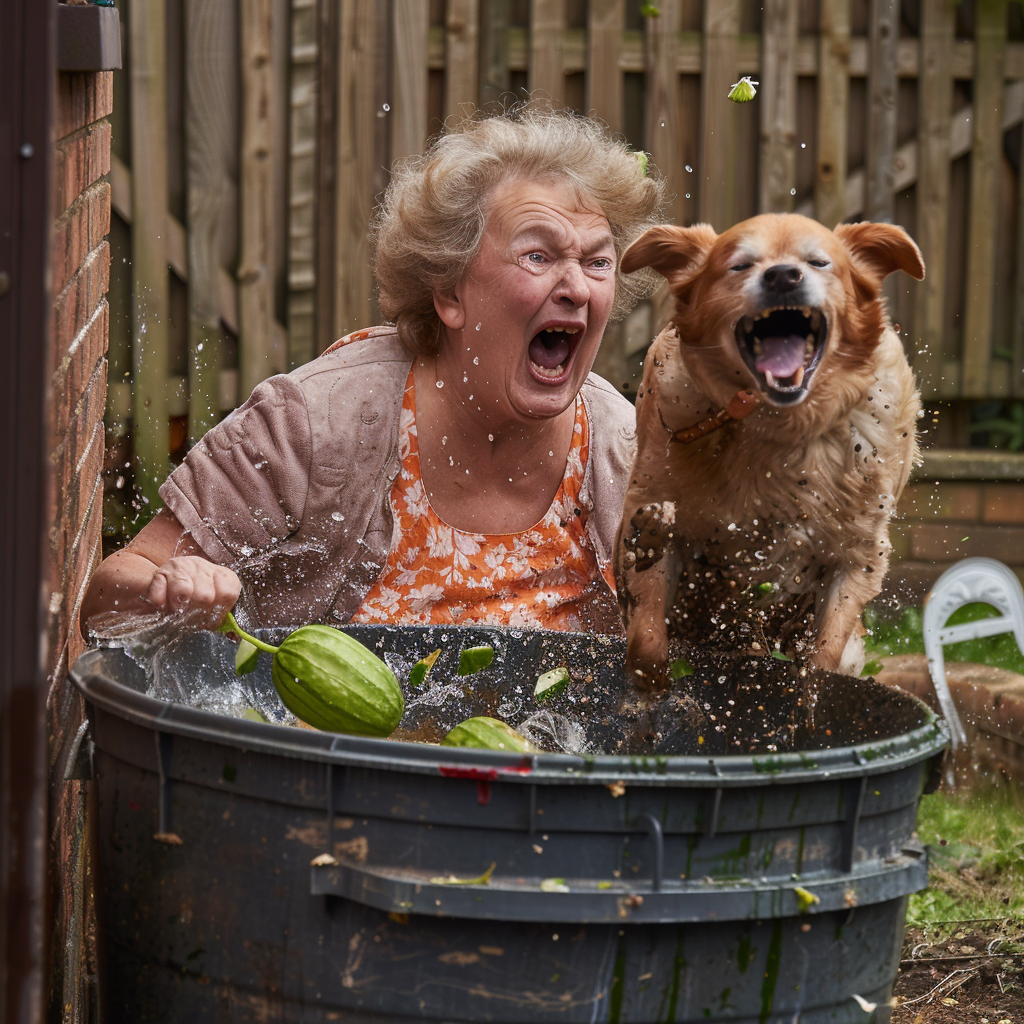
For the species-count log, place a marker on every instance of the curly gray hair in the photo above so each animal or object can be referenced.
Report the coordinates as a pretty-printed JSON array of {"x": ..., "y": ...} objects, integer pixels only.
[{"x": 429, "y": 226}]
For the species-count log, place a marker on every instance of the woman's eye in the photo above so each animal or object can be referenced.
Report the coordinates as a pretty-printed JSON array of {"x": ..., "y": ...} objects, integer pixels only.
[
  {"x": 818, "y": 263},
  {"x": 536, "y": 258}
]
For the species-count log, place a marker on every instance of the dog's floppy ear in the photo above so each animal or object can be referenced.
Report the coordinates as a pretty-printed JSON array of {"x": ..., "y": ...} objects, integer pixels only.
[
  {"x": 883, "y": 247},
  {"x": 668, "y": 249}
]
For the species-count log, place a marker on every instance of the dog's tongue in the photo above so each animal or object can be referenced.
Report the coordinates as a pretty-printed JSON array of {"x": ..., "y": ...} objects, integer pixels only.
[
  {"x": 549, "y": 350},
  {"x": 781, "y": 357}
]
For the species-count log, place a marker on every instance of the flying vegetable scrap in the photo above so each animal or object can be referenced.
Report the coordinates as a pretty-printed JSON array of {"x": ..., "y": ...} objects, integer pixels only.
[{"x": 744, "y": 90}]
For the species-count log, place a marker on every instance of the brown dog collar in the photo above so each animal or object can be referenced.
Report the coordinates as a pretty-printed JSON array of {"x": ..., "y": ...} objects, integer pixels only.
[{"x": 743, "y": 403}]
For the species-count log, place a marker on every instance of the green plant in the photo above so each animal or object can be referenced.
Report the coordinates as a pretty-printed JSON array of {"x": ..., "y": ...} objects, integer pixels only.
[
  {"x": 1003, "y": 422},
  {"x": 976, "y": 840},
  {"x": 905, "y": 635}
]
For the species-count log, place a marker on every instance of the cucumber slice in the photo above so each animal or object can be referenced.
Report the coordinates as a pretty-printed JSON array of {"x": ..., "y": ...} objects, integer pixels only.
[
  {"x": 473, "y": 659},
  {"x": 550, "y": 684},
  {"x": 246, "y": 655},
  {"x": 679, "y": 668},
  {"x": 419, "y": 671}
]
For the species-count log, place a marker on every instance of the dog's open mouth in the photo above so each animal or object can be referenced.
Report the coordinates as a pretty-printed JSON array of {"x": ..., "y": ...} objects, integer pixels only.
[
  {"x": 783, "y": 347},
  {"x": 551, "y": 350}
]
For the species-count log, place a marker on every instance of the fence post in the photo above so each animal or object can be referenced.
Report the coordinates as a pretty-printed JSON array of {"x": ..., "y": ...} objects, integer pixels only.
[
  {"x": 935, "y": 100},
  {"x": 150, "y": 285},
  {"x": 778, "y": 107},
  {"x": 209, "y": 97}
]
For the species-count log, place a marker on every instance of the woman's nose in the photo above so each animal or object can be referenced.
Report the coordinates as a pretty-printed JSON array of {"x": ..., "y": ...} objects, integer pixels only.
[{"x": 573, "y": 285}]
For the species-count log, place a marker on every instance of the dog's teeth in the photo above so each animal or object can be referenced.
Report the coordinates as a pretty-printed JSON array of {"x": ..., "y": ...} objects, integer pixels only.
[
  {"x": 809, "y": 348},
  {"x": 815, "y": 319},
  {"x": 746, "y": 325},
  {"x": 798, "y": 377},
  {"x": 757, "y": 347}
]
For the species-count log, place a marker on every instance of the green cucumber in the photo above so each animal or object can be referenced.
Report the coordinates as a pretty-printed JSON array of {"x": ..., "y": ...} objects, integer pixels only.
[{"x": 487, "y": 734}]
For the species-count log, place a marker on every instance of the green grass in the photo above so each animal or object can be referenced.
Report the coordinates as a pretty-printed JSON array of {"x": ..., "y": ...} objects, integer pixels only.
[
  {"x": 977, "y": 856},
  {"x": 904, "y": 636}
]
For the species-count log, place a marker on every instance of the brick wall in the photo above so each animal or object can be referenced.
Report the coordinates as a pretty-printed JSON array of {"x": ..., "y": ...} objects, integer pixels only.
[
  {"x": 81, "y": 267},
  {"x": 941, "y": 521}
]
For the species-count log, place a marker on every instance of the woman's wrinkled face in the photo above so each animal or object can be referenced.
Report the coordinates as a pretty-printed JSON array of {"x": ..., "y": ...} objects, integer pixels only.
[{"x": 524, "y": 324}]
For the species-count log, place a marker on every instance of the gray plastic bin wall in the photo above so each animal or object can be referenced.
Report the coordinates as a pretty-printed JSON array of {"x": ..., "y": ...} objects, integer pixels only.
[{"x": 731, "y": 888}]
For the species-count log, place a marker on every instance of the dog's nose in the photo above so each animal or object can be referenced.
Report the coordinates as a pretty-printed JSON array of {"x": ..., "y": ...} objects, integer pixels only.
[{"x": 783, "y": 277}]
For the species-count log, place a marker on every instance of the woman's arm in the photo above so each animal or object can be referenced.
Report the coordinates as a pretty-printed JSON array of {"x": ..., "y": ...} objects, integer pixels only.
[{"x": 162, "y": 570}]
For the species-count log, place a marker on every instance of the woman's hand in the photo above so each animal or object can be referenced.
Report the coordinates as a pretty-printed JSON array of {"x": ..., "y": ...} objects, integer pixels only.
[
  {"x": 163, "y": 571},
  {"x": 191, "y": 583}
]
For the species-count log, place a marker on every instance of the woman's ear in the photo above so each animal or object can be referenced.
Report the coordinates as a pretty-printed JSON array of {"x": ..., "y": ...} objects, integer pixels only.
[{"x": 450, "y": 309}]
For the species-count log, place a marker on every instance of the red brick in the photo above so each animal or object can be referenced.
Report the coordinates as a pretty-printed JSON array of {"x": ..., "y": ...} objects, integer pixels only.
[
  {"x": 950, "y": 542},
  {"x": 79, "y": 230},
  {"x": 67, "y": 462},
  {"x": 77, "y": 371},
  {"x": 76, "y": 303},
  {"x": 1003, "y": 503},
  {"x": 82, "y": 97},
  {"x": 78, "y": 160},
  {"x": 88, "y": 555},
  {"x": 946, "y": 500}
]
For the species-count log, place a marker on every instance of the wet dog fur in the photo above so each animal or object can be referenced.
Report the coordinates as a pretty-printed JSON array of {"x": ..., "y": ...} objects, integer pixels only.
[{"x": 776, "y": 429}]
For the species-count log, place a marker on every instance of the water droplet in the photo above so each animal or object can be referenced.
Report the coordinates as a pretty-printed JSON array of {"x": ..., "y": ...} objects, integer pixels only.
[
  {"x": 119, "y": 482},
  {"x": 440, "y": 383},
  {"x": 687, "y": 195},
  {"x": 792, "y": 191},
  {"x": 803, "y": 145},
  {"x": 551, "y": 454},
  {"x": 478, "y": 326},
  {"x": 337, "y": 517},
  {"x": 387, "y": 107},
  {"x": 662, "y": 124},
  {"x": 199, "y": 347},
  {"x": 444, "y": 440},
  {"x": 476, "y": 360},
  {"x": 689, "y": 169},
  {"x": 490, "y": 437}
]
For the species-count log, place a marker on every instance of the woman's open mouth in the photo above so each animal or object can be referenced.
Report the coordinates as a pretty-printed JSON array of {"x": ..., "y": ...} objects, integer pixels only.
[
  {"x": 783, "y": 348},
  {"x": 551, "y": 351}
]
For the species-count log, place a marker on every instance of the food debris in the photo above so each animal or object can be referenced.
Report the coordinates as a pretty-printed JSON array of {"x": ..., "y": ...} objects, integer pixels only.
[{"x": 744, "y": 90}]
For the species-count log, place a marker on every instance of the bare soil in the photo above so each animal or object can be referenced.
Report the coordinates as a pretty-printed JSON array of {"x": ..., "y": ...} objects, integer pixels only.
[{"x": 969, "y": 972}]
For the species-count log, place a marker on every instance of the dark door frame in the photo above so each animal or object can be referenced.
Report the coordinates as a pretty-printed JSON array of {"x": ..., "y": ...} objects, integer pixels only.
[{"x": 27, "y": 84}]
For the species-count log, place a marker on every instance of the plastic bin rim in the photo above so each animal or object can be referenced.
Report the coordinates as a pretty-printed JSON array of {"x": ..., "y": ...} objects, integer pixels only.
[{"x": 876, "y": 757}]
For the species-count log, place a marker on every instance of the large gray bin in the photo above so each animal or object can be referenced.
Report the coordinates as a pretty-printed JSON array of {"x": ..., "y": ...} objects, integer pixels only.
[{"x": 759, "y": 888}]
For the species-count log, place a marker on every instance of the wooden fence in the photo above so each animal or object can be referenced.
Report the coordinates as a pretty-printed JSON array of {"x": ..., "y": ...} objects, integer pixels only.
[{"x": 251, "y": 138}]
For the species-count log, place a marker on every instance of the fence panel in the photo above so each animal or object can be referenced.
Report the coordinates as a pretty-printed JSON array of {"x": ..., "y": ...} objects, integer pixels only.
[{"x": 864, "y": 110}]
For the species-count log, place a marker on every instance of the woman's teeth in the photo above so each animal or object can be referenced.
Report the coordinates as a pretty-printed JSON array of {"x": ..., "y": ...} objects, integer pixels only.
[{"x": 551, "y": 350}]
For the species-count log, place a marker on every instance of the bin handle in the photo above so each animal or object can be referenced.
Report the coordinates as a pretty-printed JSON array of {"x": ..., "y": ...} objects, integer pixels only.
[
  {"x": 408, "y": 891},
  {"x": 654, "y": 830}
]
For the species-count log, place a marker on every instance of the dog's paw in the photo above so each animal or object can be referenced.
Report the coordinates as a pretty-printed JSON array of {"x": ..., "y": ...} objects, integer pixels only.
[{"x": 651, "y": 528}]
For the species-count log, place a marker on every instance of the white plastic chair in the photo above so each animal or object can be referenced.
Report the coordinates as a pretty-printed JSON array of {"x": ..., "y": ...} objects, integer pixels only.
[{"x": 973, "y": 580}]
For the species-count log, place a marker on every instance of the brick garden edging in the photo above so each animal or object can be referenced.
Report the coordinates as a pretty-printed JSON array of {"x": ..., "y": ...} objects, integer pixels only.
[{"x": 990, "y": 702}]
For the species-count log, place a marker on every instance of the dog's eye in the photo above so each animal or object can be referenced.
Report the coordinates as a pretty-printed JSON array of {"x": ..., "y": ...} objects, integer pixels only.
[
  {"x": 741, "y": 266},
  {"x": 818, "y": 263}
]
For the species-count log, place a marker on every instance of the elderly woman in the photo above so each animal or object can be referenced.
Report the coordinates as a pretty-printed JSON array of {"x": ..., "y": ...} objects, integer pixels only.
[{"x": 461, "y": 466}]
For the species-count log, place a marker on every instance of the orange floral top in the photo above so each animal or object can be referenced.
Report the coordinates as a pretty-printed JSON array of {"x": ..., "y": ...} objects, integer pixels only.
[{"x": 547, "y": 576}]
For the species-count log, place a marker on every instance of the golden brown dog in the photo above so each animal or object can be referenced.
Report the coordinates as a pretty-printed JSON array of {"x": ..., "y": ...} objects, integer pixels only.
[{"x": 776, "y": 430}]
